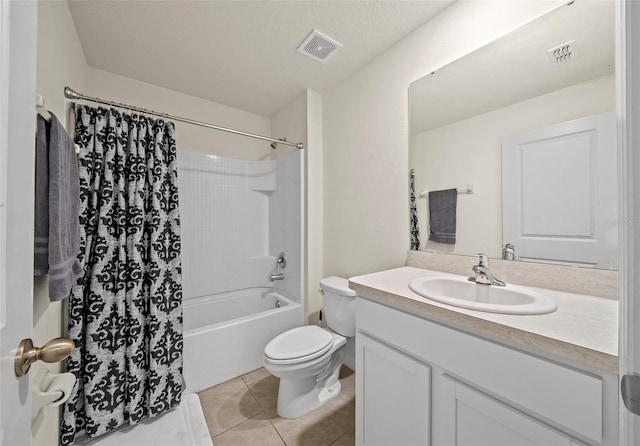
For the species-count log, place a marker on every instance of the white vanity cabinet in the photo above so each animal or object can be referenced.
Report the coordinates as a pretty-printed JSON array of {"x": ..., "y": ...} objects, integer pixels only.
[
  {"x": 419, "y": 382},
  {"x": 396, "y": 399},
  {"x": 473, "y": 418}
]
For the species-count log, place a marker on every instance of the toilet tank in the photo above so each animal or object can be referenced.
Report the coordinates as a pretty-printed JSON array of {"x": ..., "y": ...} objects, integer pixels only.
[{"x": 339, "y": 305}]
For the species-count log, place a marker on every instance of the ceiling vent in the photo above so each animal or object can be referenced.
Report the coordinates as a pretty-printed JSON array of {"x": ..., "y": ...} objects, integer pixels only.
[
  {"x": 563, "y": 53},
  {"x": 318, "y": 46}
]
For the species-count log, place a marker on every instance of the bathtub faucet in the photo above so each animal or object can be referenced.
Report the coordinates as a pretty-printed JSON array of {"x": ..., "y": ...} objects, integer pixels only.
[{"x": 274, "y": 277}]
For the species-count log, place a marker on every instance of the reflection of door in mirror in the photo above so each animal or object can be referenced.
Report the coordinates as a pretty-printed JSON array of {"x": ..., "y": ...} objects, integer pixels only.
[
  {"x": 461, "y": 112},
  {"x": 559, "y": 194}
]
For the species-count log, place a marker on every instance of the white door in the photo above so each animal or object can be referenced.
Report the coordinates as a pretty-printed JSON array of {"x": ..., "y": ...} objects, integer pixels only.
[
  {"x": 18, "y": 28},
  {"x": 628, "y": 99},
  {"x": 559, "y": 198}
]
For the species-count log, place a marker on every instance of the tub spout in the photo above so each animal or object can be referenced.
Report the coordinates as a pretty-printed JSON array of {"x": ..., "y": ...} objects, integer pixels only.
[{"x": 274, "y": 277}]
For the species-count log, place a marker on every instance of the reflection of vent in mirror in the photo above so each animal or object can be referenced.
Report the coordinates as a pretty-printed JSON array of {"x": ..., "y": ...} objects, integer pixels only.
[
  {"x": 318, "y": 46},
  {"x": 563, "y": 53}
]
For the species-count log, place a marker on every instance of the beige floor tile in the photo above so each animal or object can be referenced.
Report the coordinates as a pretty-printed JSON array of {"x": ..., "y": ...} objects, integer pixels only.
[
  {"x": 321, "y": 427},
  {"x": 227, "y": 405},
  {"x": 345, "y": 372},
  {"x": 257, "y": 431},
  {"x": 255, "y": 376},
  {"x": 348, "y": 439},
  {"x": 348, "y": 384},
  {"x": 263, "y": 386}
]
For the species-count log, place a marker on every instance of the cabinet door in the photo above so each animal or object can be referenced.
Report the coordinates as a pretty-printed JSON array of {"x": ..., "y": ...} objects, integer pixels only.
[
  {"x": 480, "y": 420},
  {"x": 393, "y": 396}
]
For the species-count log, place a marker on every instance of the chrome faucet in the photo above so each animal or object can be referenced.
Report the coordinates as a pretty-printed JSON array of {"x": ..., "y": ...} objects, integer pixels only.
[
  {"x": 483, "y": 275},
  {"x": 281, "y": 263},
  {"x": 274, "y": 277},
  {"x": 509, "y": 252}
]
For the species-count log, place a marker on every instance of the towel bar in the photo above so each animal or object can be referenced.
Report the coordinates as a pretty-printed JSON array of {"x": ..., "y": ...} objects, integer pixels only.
[{"x": 461, "y": 191}]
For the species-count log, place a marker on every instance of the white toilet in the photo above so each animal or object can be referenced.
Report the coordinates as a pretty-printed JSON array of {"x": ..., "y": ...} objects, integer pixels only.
[{"x": 307, "y": 359}]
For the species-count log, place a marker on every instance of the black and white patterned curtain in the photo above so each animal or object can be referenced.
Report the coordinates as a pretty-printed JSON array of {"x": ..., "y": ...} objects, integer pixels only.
[
  {"x": 125, "y": 313},
  {"x": 413, "y": 214}
]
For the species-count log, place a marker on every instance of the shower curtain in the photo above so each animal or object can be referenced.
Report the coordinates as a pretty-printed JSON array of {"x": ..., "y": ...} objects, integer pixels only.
[
  {"x": 413, "y": 214},
  {"x": 125, "y": 313}
]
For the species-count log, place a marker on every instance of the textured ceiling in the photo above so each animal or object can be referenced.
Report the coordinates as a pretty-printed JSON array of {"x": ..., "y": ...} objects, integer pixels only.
[{"x": 240, "y": 53}]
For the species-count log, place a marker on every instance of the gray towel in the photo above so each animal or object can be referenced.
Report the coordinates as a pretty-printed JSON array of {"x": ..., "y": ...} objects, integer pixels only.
[
  {"x": 62, "y": 203},
  {"x": 442, "y": 216},
  {"x": 41, "y": 218}
]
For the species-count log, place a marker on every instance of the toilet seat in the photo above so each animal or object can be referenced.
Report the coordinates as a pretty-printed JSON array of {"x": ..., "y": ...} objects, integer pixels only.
[{"x": 298, "y": 345}]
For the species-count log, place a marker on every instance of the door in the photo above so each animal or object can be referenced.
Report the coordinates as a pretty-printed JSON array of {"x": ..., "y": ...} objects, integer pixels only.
[
  {"x": 395, "y": 402},
  {"x": 628, "y": 102},
  {"x": 559, "y": 198},
  {"x": 18, "y": 28}
]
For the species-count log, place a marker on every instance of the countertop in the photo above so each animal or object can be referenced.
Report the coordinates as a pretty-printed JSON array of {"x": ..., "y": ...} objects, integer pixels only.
[{"x": 584, "y": 329}]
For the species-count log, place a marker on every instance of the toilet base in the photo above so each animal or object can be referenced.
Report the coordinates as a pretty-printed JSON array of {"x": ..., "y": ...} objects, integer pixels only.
[{"x": 299, "y": 397}]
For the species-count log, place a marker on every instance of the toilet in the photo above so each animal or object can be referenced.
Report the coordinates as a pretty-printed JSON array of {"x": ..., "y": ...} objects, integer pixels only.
[{"x": 307, "y": 359}]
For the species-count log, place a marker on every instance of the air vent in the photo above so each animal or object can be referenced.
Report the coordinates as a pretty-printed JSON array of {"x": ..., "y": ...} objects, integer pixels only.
[
  {"x": 563, "y": 53},
  {"x": 318, "y": 46}
]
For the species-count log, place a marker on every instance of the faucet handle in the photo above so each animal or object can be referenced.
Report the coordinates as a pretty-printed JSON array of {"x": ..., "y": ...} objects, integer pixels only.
[
  {"x": 482, "y": 260},
  {"x": 282, "y": 261}
]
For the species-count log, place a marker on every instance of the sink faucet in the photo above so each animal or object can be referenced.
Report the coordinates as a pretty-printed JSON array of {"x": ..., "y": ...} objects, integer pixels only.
[{"x": 483, "y": 275}]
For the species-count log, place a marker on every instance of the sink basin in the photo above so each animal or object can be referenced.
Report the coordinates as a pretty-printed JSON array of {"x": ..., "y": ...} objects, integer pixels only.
[{"x": 460, "y": 292}]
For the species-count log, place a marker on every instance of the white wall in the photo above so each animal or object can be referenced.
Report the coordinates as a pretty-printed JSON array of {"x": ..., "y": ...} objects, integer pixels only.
[
  {"x": 366, "y": 223},
  {"x": 285, "y": 224},
  {"x": 60, "y": 62},
  {"x": 301, "y": 121},
  {"x": 117, "y": 88},
  {"x": 290, "y": 122},
  {"x": 314, "y": 205},
  {"x": 470, "y": 151}
]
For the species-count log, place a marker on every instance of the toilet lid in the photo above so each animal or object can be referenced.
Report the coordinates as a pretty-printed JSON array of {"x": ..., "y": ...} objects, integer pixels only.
[{"x": 306, "y": 343}]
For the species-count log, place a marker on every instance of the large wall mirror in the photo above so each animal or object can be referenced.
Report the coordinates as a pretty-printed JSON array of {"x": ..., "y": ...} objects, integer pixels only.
[{"x": 524, "y": 128}]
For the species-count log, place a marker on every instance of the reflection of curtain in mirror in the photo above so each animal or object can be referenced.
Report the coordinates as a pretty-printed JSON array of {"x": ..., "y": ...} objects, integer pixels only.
[{"x": 413, "y": 214}]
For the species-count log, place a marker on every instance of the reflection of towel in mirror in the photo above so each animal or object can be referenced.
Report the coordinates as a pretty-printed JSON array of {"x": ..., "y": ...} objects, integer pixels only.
[
  {"x": 61, "y": 241},
  {"x": 442, "y": 216}
]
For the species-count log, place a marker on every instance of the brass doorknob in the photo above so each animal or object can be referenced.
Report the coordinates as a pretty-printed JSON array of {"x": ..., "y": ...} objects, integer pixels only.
[{"x": 53, "y": 351}]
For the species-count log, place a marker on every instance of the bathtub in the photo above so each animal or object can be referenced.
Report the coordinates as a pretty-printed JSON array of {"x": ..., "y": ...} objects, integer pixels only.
[{"x": 225, "y": 334}]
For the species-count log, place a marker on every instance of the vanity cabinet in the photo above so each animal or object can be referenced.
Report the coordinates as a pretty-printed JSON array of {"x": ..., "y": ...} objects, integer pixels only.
[
  {"x": 474, "y": 418},
  {"x": 396, "y": 398},
  {"x": 420, "y": 382}
]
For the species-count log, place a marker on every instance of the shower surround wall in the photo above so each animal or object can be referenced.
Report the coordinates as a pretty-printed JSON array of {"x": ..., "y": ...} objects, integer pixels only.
[{"x": 237, "y": 216}]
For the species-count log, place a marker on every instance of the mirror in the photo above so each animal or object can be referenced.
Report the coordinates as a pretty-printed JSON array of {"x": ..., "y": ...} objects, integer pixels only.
[{"x": 550, "y": 74}]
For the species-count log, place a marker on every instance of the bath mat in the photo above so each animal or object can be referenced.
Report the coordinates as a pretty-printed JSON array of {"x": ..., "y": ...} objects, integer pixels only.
[{"x": 184, "y": 426}]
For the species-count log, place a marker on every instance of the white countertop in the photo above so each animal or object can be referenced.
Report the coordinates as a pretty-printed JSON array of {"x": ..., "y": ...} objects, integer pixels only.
[{"x": 583, "y": 329}]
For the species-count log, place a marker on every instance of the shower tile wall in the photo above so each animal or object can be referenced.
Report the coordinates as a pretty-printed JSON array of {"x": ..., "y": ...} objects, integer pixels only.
[
  {"x": 285, "y": 215},
  {"x": 225, "y": 207}
]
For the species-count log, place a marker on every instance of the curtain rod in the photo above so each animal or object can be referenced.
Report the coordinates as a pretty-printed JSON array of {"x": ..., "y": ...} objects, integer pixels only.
[{"x": 70, "y": 93}]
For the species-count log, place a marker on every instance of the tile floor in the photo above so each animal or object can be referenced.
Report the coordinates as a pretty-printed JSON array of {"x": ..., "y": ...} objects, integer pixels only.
[{"x": 242, "y": 412}]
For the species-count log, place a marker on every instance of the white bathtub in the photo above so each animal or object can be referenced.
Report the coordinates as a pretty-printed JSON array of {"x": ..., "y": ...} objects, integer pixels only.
[{"x": 225, "y": 334}]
